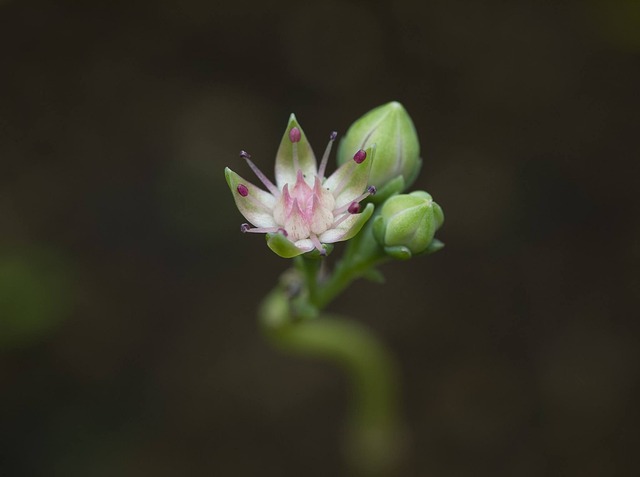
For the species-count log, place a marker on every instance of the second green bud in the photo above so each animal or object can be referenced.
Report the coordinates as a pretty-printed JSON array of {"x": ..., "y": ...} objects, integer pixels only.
[{"x": 407, "y": 224}]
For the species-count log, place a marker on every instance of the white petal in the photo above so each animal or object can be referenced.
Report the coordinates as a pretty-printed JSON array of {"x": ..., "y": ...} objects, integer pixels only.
[
  {"x": 348, "y": 228},
  {"x": 285, "y": 166},
  {"x": 351, "y": 179},
  {"x": 305, "y": 244},
  {"x": 257, "y": 206}
]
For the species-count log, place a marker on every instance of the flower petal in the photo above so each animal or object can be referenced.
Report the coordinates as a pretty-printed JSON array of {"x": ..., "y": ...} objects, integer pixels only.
[
  {"x": 257, "y": 206},
  {"x": 305, "y": 245},
  {"x": 285, "y": 164},
  {"x": 351, "y": 179},
  {"x": 349, "y": 228},
  {"x": 284, "y": 247}
]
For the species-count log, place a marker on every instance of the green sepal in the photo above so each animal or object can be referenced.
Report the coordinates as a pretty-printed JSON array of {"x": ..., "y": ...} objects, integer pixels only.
[
  {"x": 438, "y": 214},
  {"x": 378, "y": 228},
  {"x": 282, "y": 246},
  {"x": 399, "y": 252},
  {"x": 433, "y": 247}
]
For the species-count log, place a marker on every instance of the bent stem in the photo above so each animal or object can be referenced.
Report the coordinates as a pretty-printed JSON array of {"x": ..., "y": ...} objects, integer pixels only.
[{"x": 292, "y": 321}]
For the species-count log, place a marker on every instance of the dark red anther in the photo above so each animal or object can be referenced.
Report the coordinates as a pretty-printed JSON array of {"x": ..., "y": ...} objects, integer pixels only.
[
  {"x": 243, "y": 190},
  {"x": 360, "y": 156},
  {"x": 295, "y": 135},
  {"x": 354, "y": 208}
]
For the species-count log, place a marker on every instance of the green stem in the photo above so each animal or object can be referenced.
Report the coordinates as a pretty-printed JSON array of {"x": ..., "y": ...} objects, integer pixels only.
[
  {"x": 373, "y": 441},
  {"x": 361, "y": 256},
  {"x": 309, "y": 269},
  {"x": 343, "y": 275}
]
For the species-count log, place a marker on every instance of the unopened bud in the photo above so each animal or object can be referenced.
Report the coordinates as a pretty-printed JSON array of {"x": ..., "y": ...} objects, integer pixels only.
[
  {"x": 407, "y": 224},
  {"x": 397, "y": 161}
]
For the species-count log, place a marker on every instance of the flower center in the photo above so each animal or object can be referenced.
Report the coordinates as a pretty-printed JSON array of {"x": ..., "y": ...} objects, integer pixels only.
[{"x": 303, "y": 210}]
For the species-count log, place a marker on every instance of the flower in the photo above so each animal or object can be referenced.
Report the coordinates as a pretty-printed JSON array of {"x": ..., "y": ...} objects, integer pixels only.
[{"x": 304, "y": 210}]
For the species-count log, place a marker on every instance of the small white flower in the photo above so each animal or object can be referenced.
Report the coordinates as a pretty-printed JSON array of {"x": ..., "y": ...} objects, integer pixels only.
[{"x": 302, "y": 205}]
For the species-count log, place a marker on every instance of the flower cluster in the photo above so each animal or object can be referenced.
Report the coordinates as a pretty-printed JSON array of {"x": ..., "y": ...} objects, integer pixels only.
[{"x": 304, "y": 210}]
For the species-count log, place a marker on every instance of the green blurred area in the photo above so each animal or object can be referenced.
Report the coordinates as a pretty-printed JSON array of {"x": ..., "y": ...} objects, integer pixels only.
[
  {"x": 36, "y": 295},
  {"x": 128, "y": 338}
]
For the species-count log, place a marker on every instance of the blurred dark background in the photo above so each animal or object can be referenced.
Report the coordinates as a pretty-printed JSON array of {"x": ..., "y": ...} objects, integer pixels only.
[{"x": 128, "y": 337}]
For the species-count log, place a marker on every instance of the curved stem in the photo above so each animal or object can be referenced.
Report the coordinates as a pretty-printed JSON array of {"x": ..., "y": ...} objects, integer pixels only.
[{"x": 373, "y": 441}]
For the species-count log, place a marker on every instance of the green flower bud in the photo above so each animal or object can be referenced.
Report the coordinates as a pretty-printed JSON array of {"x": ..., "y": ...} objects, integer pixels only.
[
  {"x": 407, "y": 224},
  {"x": 397, "y": 148}
]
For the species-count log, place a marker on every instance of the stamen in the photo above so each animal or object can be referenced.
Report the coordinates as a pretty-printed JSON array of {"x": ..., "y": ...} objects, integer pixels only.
[
  {"x": 351, "y": 209},
  {"x": 340, "y": 220},
  {"x": 371, "y": 190},
  {"x": 244, "y": 228},
  {"x": 360, "y": 156},
  {"x": 296, "y": 162},
  {"x": 317, "y": 244},
  {"x": 354, "y": 208},
  {"x": 295, "y": 135},
  {"x": 267, "y": 183},
  {"x": 243, "y": 190},
  {"x": 325, "y": 156},
  {"x": 347, "y": 207}
]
